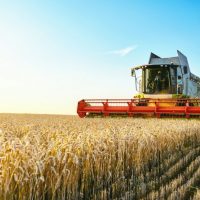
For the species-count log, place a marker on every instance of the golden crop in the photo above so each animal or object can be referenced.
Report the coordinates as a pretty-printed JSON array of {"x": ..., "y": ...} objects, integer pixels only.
[
  {"x": 62, "y": 157},
  {"x": 197, "y": 195}
]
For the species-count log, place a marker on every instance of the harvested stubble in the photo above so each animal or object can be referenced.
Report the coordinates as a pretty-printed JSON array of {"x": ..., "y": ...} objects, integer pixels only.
[{"x": 60, "y": 157}]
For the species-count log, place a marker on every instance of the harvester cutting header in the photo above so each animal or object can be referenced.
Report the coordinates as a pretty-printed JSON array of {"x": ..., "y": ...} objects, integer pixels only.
[{"x": 165, "y": 86}]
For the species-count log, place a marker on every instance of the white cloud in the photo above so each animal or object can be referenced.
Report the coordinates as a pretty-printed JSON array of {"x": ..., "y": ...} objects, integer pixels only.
[{"x": 124, "y": 51}]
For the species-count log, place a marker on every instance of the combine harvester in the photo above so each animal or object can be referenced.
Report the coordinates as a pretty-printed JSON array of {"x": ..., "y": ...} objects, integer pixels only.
[{"x": 166, "y": 88}]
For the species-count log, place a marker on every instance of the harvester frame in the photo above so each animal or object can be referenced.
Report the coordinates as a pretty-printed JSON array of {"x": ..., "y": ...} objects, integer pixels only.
[{"x": 174, "y": 91}]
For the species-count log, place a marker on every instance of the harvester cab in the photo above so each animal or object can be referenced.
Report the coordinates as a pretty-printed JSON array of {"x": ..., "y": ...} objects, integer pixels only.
[
  {"x": 166, "y": 77},
  {"x": 166, "y": 87}
]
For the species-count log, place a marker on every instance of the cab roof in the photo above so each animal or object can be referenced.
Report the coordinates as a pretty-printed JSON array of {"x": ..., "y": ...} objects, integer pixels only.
[{"x": 154, "y": 65}]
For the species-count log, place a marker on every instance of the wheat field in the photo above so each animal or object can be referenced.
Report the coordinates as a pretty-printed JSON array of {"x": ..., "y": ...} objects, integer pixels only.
[{"x": 64, "y": 157}]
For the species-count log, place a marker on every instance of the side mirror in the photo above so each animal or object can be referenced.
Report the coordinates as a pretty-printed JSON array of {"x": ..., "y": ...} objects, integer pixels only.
[{"x": 133, "y": 73}]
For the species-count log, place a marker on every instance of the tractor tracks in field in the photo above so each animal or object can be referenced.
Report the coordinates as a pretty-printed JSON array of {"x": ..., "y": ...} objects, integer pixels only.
[{"x": 176, "y": 174}]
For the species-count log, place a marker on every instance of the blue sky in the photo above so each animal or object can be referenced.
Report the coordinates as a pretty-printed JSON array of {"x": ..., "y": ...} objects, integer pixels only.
[{"x": 54, "y": 53}]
